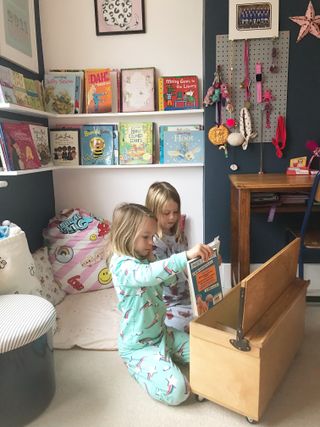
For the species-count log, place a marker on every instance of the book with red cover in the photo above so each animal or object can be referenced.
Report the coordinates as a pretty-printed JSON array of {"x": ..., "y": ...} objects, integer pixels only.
[
  {"x": 178, "y": 93},
  {"x": 20, "y": 146},
  {"x": 98, "y": 90}
]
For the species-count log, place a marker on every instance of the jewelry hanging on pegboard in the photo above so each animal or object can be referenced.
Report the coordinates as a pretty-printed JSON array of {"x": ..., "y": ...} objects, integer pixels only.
[
  {"x": 217, "y": 92},
  {"x": 245, "y": 117}
]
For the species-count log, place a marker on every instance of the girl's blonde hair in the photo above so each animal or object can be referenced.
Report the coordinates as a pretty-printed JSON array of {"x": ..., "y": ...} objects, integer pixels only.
[
  {"x": 126, "y": 222},
  {"x": 158, "y": 195}
]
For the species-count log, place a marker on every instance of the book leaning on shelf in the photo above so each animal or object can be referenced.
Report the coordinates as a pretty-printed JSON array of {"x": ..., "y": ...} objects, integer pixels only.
[
  {"x": 204, "y": 281},
  {"x": 178, "y": 93},
  {"x": 18, "y": 148},
  {"x": 65, "y": 147},
  {"x": 136, "y": 143},
  {"x": 181, "y": 144},
  {"x": 98, "y": 90},
  {"x": 97, "y": 143}
]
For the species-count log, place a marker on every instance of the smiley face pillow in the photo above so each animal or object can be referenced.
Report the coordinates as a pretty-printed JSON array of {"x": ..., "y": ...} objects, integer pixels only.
[{"x": 77, "y": 245}]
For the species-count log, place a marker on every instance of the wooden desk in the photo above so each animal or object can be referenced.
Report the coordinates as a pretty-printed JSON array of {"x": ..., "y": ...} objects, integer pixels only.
[{"x": 241, "y": 188}]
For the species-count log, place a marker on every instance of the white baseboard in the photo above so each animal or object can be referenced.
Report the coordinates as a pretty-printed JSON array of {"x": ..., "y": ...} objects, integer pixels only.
[{"x": 311, "y": 272}]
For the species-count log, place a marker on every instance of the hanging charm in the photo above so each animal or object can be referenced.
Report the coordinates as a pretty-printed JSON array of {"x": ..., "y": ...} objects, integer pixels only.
[
  {"x": 246, "y": 127},
  {"x": 281, "y": 137}
]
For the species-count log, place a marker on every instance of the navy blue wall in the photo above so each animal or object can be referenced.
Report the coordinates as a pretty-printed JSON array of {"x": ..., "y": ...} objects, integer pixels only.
[
  {"x": 29, "y": 199},
  {"x": 303, "y": 123}
]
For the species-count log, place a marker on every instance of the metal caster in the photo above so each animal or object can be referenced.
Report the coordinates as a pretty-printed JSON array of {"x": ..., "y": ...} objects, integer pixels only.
[
  {"x": 251, "y": 420},
  {"x": 200, "y": 398}
]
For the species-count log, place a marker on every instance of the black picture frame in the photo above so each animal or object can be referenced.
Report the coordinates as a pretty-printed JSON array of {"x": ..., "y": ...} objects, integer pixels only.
[{"x": 112, "y": 18}]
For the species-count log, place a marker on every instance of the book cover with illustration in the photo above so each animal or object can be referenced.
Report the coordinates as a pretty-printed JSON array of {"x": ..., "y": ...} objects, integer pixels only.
[
  {"x": 41, "y": 141},
  {"x": 98, "y": 90},
  {"x": 59, "y": 92},
  {"x": 19, "y": 89},
  {"x": 135, "y": 143},
  {"x": 34, "y": 93},
  {"x": 182, "y": 146},
  {"x": 178, "y": 93},
  {"x": 96, "y": 143},
  {"x": 65, "y": 147},
  {"x": 6, "y": 86},
  {"x": 79, "y": 87},
  {"x": 204, "y": 283},
  {"x": 21, "y": 149}
]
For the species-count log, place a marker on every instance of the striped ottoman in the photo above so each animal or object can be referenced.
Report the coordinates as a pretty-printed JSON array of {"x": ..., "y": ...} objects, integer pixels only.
[{"x": 27, "y": 381}]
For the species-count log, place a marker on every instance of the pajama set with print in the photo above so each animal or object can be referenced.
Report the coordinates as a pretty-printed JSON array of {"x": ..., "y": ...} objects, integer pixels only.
[
  {"x": 176, "y": 293},
  {"x": 146, "y": 345}
]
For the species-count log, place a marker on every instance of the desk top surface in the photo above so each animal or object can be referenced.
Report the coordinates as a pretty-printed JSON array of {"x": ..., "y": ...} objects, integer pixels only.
[{"x": 271, "y": 181}]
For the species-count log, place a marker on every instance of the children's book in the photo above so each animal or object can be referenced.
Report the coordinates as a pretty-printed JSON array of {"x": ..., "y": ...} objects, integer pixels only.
[
  {"x": 4, "y": 157},
  {"x": 204, "y": 281},
  {"x": 6, "y": 86},
  {"x": 135, "y": 143},
  {"x": 41, "y": 141},
  {"x": 96, "y": 142},
  {"x": 178, "y": 93},
  {"x": 79, "y": 87},
  {"x": 98, "y": 90},
  {"x": 65, "y": 147},
  {"x": 182, "y": 146},
  {"x": 21, "y": 149},
  {"x": 19, "y": 89},
  {"x": 59, "y": 92},
  {"x": 34, "y": 93},
  {"x": 173, "y": 128}
]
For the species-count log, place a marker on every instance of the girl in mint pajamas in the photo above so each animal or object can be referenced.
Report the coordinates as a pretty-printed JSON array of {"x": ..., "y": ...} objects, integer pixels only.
[{"x": 149, "y": 349}]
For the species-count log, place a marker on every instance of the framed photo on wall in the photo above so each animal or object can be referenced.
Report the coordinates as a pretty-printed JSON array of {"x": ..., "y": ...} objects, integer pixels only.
[
  {"x": 119, "y": 17},
  {"x": 253, "y": 19},
  {"x": 137, "y": 89},
  {"x": 18, "y": 40}
]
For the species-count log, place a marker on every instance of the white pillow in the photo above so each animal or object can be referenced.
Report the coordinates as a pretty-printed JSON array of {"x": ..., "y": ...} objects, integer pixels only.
[
  {"x": 49, "y": 287},
  {"x": 17, "y": 270}
]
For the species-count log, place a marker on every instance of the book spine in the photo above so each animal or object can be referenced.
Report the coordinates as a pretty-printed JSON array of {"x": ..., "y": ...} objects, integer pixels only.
[
  {"x": 160, "y": 94},
  {"x": 115, "y": 145},
  {"x": 161, "y": 149}
]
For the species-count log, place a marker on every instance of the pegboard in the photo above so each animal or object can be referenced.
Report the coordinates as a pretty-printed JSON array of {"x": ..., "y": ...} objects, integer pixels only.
[{"x": 229, "y": 55}]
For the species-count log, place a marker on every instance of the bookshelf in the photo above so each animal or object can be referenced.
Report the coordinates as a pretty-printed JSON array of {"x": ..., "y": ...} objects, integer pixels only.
[{"x": 158, "y": 117}]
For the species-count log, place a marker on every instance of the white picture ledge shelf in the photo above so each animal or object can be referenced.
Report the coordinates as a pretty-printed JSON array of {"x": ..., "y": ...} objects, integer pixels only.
[
  {"x": 57, "y": 168},
  {"x": 17, "y": 109}
]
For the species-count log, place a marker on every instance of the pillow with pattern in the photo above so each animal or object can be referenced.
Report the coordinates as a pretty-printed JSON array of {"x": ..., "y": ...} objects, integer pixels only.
[{"x": 49, "y": 287}]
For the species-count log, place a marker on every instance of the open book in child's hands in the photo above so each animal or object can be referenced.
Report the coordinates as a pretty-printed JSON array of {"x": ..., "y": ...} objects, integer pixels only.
[{"x": 204, "y": 281}]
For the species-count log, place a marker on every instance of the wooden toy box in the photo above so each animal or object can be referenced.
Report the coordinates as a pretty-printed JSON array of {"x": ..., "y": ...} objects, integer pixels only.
[{"x": 242, "y": 347}]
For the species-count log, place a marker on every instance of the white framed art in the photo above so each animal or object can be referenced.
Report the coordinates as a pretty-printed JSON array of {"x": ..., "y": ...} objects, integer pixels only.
[
  {"x": 253, "y": 19},
  {"x": 18, "y": 40}
]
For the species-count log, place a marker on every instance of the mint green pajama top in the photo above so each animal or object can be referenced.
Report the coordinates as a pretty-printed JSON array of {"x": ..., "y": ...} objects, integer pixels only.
[{"x": 139, "y": 287}]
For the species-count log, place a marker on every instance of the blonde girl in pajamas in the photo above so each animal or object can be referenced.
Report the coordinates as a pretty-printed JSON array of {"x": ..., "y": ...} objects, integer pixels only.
[
  {"x": 149, "y": 349},
  {"x": 164, "y": 201}
]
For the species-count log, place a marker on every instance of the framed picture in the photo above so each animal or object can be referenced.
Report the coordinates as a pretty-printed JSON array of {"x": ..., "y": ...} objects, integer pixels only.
[
  {"x": 137, "y": 89},
  {"x": 119, "y": 17},
  {"x": 252, "y": 19},
  {"x": 18, "y": 41}
]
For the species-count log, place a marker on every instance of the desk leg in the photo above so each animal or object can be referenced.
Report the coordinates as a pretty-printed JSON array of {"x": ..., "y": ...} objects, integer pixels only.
[
  {"x": 240, "y": 234},
  {"x": 234, "y": 206},
  {"x": 244, "y": 233}
]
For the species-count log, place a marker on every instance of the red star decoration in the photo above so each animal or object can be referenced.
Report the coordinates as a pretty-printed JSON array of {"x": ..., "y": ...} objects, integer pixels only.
[{"x": 309, "y": 23}]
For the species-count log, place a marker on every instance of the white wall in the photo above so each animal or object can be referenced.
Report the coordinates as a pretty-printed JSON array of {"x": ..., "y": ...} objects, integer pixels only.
[{"x": 173, "y": 45}]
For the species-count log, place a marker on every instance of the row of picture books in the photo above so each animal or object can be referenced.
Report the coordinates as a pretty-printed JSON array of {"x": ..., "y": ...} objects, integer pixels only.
[
  {"x": 26, "y": 145},
  {"x": 100, "y": 90}
]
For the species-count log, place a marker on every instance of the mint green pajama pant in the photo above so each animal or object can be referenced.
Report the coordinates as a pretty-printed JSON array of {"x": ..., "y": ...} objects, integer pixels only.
[{"x": 154, "y": 367}]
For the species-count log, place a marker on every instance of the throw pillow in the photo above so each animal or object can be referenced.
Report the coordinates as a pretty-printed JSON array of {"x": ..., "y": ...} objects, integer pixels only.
[{"x": 49, "y": 287}]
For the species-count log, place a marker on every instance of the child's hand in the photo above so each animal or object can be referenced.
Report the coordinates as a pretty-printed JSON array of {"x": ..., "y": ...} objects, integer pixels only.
[{"x": 200, "y": 250}]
